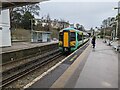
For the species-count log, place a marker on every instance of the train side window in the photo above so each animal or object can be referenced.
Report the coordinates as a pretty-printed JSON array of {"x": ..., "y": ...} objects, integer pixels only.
[
  {"x": 79, "y": 37},
  {"x": 0, "y": 28},
  {"x": 84, "y": 36}
]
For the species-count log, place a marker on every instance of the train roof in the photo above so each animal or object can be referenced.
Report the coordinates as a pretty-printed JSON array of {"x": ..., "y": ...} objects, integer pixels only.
[{"x": 69, "y": 28}]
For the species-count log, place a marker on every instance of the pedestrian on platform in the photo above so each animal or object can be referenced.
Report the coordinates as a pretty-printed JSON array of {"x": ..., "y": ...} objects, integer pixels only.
[{"x": 93, "y": 41}]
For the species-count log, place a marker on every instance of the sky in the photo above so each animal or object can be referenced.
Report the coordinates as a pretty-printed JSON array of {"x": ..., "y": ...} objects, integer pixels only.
[{"x": 89, "y": 14}]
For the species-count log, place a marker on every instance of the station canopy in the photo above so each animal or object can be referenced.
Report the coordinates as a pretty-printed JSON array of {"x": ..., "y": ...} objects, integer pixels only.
[{"x": 14, "y": 3}]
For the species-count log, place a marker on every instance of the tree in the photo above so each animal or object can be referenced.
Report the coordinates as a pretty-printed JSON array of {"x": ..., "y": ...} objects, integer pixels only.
[
  {"x": 118, "y": 18},
  {"x": 16, "y": 20},
  {"x": 77, "y": 25},
  {"x": 104, "y": 22},
  {"x": 20, "y": 16},
  {"x": 33, "y": 9},
  {"x": 28, "y": 21},
  {"x": 48, "y": 23}
]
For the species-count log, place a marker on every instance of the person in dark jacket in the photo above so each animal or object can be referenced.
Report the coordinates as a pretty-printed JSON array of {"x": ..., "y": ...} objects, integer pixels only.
[{"x": 93, "y": 41}]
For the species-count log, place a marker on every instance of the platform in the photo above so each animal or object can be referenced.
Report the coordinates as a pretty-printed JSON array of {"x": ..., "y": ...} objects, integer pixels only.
[
  {"x": 100, "y": 69},
  {"x": 24, "y": 50},
  {"x": 24, "y": 45}
]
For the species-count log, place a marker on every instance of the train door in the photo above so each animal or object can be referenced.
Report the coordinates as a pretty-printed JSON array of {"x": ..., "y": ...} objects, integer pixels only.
[{"x": 66, "y": 40}]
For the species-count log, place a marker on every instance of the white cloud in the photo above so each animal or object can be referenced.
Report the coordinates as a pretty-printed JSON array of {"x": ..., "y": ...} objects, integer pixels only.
[
  {"x": 90, "y": 14},
  {"x": 84, "y": 0}
]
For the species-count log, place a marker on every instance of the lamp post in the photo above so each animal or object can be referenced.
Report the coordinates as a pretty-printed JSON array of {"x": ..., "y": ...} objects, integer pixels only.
[
  {"x": 31, "y": 21},
  {"x": 104, "y": 28},
  {"x": 117, "y": 26}
]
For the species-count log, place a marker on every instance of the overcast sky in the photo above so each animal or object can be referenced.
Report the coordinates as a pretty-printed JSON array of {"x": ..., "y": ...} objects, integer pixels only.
[{"x": 89, "y": 14}]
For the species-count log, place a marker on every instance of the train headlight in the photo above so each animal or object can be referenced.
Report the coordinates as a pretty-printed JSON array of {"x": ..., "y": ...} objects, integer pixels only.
[{"x": 60, "y": 43}]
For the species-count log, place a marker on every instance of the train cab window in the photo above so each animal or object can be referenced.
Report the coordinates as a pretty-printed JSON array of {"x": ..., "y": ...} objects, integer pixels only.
[
  {"x": 60, "y": 36},
  {"x": 73, "y": 36}
]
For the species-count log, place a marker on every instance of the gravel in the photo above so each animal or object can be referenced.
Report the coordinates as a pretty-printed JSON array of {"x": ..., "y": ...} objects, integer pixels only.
[{"x": 30, "y": 77}]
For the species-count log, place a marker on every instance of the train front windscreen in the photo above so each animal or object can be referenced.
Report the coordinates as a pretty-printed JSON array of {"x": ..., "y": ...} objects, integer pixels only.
[{"x": 72, "y": 36}]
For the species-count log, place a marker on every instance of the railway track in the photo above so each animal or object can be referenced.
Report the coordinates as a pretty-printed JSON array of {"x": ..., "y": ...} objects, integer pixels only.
[
  {"x": 15, "y": 73},
  {"x": 15, "y": 62}
]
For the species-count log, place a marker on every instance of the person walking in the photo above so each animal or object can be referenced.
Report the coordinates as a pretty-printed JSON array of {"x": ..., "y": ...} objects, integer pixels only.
[{"x": 93, "y": 41}]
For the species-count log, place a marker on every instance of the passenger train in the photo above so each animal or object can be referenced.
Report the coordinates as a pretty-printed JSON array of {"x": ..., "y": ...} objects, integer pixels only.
[{"x": 70, "y": 39}]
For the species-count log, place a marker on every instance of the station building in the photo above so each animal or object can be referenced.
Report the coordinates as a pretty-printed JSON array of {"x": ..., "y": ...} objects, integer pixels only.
[
  {"x": 5, "y": 34},
  {"x": 40, "y": 36}
]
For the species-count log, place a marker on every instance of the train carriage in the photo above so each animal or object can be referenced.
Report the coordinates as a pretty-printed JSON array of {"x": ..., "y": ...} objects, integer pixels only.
[{"x": 70, "y": 39}]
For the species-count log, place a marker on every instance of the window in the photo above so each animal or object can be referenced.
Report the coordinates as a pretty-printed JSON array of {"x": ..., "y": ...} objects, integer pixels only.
[
  {"x": 79, "y": 37},
  {"x": 60, "y": 36},
  {"x": 0, "y": 10},
  {"x": 84, "y": 36},
  {"x": 0, "y": 28},
  {"x": 73, "y": 36}
]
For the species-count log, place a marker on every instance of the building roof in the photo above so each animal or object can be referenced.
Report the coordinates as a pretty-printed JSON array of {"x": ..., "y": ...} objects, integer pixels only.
[
  {"x": 14, "y": 3},
  {"x": 42, "y": 32}
]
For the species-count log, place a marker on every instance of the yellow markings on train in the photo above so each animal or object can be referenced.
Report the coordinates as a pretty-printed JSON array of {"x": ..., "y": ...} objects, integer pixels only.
[
  {"x": 65, "y": 39},
  {"x": 60, "y": 43},
  {"x": 72, "y": 43},
  {"x": 73, "y": 58},
  {"x": 81, "y": 33}
]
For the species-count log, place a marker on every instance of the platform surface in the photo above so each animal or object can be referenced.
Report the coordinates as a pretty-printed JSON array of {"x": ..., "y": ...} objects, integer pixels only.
[
  {"x": 94, "y": 68},
  {"x": 101, "y": 68},
  {"x": 24, "y": 45}
]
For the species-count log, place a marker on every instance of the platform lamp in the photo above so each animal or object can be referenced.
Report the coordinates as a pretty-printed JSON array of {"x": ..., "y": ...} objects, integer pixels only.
[
  {"x": 31, "y": 21},
  {"x": 117, "y": 26}
]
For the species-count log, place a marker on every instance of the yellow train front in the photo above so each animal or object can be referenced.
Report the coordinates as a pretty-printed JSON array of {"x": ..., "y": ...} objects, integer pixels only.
[{"x": 70, "y": 39}]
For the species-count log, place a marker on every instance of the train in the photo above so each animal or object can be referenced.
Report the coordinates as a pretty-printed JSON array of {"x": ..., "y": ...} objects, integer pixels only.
[{"x": 70, "y": 39}]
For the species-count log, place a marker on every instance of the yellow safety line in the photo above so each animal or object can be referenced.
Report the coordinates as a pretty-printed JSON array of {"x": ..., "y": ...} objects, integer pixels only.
[{"x": 73, "y": 58}]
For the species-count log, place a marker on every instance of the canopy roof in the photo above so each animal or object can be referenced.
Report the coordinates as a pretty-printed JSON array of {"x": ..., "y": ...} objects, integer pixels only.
[{"x": 14, "y": 3}]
